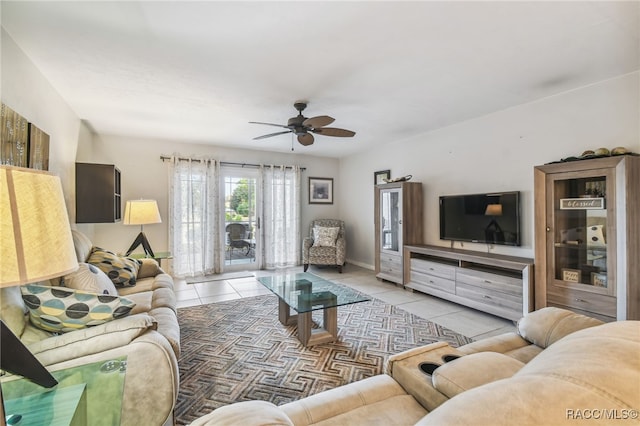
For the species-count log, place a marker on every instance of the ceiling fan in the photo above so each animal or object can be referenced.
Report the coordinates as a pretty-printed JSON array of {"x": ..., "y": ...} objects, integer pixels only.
[{"x": 303, "y": 127}]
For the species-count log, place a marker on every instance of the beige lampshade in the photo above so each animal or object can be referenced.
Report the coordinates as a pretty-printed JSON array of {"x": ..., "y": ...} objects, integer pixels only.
[
  {"x": 141, "y": 212},
  {"x": 36, "y": 241},
  {"x": 493, "y": 210}
]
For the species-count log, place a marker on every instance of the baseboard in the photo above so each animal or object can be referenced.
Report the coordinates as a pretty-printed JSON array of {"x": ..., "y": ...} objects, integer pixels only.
[{"x": 361, "y": 264}]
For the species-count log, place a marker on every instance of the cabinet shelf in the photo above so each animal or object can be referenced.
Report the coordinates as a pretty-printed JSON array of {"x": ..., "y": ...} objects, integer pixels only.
[
  {"x": 98, "y": 193},
  {"x": 585, "y": 252},
  {"x": 398, "y": 221}
]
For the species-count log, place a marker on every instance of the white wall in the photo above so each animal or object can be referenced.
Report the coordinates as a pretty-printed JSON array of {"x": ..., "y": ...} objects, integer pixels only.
[
  {"x": 29, "y": 93},
  {"x": 144, "y": 175},
  {"x": 493, "y": 153}
]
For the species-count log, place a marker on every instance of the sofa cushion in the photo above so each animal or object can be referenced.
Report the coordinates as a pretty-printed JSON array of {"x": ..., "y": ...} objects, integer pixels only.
[
  {"x": 325, "y": 236},
  {"x": 148, "y": 268},
  {"x": 245, "y": 413},
  {"x": 60, "y": 309},
  {"x": 89, "y": 278},
  {"x": 470, "y": 371},
  {"x": 82, "y": 245},
  {"x": 123, "y": 271},
  {"x": 374, "y": 400}
]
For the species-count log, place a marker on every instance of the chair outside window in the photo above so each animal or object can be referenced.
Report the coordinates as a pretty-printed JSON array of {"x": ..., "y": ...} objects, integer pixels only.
[
  {"x": 325, "y": 245},
  {"x": 238, "y": 237}
]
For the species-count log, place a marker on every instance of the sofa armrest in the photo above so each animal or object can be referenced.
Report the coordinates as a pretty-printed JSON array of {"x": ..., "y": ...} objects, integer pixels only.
[
  {"x": 341, "y": 250},
  {"x": 307, "y": 242},
  {"x": 247, "y": 413},
  {"x": 548, "y": 325},
  {"x": 91, "y": 340},
  {"x": 411, "y": 353}
]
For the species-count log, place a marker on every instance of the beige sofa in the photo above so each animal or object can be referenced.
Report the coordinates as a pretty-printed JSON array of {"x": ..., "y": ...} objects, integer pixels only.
[
  {"x": 559, "y": 368},
  {"x": 149, "y": 337}
]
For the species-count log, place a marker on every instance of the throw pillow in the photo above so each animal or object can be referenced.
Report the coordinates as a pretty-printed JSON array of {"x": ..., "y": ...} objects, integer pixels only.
[
  {"x": 123, "y": 271},
  {"x": 325, "y": 236},
  {"x": 91, "y": 279},
  {"x": 60, "y": 309}
]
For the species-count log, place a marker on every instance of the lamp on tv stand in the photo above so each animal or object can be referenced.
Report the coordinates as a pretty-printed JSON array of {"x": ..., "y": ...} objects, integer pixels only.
[
  {"x": 141, "y": 212},
  {"x": 36, "y": 245}
]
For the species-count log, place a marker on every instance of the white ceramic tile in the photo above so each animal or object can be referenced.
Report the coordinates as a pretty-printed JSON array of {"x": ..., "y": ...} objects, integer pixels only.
[
  {"x": 213, "y": 288},
  {"x": 470, "y": 322},
  {"x": 187, "y": 294},
  {"x": 220, "y": 298},
  {"x": 188, "y": 303}
]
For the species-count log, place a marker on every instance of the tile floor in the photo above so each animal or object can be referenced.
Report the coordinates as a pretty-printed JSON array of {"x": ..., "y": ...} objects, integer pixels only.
[{"x": 466, "y": 321}]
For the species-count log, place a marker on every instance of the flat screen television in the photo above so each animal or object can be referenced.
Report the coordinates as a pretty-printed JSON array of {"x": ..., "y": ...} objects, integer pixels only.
[{"x": 481, "y": 218}]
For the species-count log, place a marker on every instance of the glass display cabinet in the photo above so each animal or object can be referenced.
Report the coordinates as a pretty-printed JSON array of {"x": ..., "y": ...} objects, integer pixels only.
[
  {"x": 398, "y": 221},
  {"x": 586, "y": 234}
]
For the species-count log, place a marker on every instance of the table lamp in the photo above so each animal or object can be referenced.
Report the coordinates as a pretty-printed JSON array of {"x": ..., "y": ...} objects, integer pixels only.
[
  {"x": 141, "y": 212},
  {"x": 36, "y": 245}
]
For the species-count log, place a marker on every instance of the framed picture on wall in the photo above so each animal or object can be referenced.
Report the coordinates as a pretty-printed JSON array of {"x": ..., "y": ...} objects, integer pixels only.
[
  {"x": 13, "y": 138},
  {"x": 320, "y": 190},
  {"x": 379, "y": 177},
  {"x": 38, "y": 148}
]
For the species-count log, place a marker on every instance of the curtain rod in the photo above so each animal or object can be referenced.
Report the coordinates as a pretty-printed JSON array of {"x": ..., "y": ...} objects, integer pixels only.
[{"x": 226, "y": 163}]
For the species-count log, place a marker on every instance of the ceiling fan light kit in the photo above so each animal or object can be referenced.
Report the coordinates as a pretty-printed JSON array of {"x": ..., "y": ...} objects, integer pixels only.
[{"x": 303, "y": 127}]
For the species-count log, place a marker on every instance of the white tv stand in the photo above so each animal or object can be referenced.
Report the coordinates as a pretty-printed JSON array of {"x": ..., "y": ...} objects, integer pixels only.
[{"x": 497, "y": 284}]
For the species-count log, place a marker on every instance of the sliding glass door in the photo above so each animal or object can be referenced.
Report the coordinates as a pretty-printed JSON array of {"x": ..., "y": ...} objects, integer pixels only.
[{"x": 240, "y": 226}]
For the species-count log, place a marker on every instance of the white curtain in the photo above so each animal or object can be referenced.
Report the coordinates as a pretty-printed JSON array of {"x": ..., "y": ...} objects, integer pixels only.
[
  {"x": 280, "y": 230},
  {"x": 194, "y": 234}
]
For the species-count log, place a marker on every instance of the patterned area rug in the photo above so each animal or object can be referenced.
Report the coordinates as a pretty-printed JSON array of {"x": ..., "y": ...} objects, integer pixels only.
[{"x": 238, "y": 351}]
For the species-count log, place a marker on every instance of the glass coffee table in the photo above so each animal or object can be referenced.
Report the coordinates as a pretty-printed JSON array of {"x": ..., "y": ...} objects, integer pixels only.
[{"x": 305, "y": 293}]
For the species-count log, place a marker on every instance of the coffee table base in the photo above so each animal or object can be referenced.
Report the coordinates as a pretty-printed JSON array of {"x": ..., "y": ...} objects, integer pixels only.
[{"x": 306, "y": 334}]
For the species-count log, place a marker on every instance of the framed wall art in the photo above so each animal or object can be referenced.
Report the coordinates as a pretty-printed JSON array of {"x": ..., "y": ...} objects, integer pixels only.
[
  {"x": 13, "y": 138},
  {"x": 320, "y": 190},
  {"x": 379, "y": 177},
  {"x": 38, "y": 148}
]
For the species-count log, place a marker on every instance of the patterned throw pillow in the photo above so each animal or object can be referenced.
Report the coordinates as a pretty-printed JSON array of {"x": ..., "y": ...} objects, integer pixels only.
[
  {"x": 121, "y": 270},
  {"x": 60, "y": 309},
  {"x": 325, "y": 236},
  {"x": 89, "y": 278}
]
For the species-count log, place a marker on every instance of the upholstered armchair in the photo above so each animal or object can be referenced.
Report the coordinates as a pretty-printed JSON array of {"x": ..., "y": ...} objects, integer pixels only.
[{"x": 325, "y": 245}]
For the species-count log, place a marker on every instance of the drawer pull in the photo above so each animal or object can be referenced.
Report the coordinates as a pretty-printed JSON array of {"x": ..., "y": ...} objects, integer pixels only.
[
  {"x": 581, "y": 300},
  {"x": 431, "y": 282},
  {"x": 431, "y": 269},
  {"x": 486, "y": 297},
  {"x": 488, "y": 282}
]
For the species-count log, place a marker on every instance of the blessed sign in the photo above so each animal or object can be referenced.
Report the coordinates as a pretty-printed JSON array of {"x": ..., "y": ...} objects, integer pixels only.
[{"x": 581, "y": 203}]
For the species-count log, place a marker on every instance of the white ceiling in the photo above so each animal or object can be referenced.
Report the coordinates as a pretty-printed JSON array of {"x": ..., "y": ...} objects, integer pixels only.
[{"x": 200, "y": 71}]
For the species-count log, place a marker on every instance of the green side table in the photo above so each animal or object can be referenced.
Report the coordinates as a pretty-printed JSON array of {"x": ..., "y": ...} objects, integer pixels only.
[{"x": 89, "y": 394}]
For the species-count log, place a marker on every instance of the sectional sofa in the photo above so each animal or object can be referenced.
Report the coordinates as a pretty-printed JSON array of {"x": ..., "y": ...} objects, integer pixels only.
[
  {"x": 559, "y": 368},
  {"x": 145, "y": 330}
]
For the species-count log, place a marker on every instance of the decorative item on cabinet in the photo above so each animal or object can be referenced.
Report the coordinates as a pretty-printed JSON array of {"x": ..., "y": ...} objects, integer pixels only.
[
  {"x": 98, "y": 193},
  {"x": 398, "y": 221}
]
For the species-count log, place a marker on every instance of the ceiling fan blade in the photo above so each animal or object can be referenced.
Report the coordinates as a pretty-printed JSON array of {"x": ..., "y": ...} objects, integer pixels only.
[
  {"x": 271, "y": 134},
  {"x": 319, "y": 121},
  {"x": 305, "y": 139},
  {"x": 269, "y": 124},
  {"x": 332, "y": 131}
]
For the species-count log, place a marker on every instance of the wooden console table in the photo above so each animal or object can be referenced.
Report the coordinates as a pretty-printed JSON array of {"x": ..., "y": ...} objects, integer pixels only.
[{"x": 497, "y": 284}]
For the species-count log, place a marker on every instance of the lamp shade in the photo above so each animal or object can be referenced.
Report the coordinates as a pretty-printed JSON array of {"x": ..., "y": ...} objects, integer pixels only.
[
  {"x": 141, "y": 212},
  {"x": 36, "y": 241},
  {"x": 493, "y": 210}
]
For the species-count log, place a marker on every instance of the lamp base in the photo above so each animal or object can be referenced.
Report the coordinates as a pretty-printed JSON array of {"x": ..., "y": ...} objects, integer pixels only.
[{"x": 141, "y": 239}]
